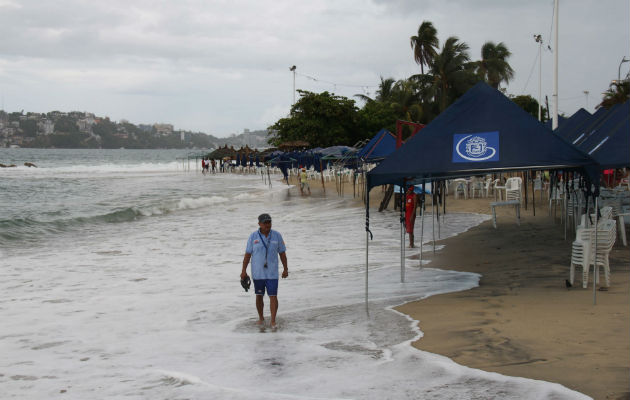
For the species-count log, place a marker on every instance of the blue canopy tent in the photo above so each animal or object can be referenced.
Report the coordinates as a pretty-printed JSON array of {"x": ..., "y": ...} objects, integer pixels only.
[
  {"x": 482, "y": 132},
  {"x": 609, "y": 145},
  {"x": 379, "y": 147},
  {"x": 561, "y": 121},
  {"x": 571, "y": 123},
  {"x": 583, "y": 129},
  {"x": 608, "y": 120}
]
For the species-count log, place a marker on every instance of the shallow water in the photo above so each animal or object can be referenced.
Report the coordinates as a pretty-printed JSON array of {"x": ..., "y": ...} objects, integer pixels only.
[{"x": 120, "y": 279}]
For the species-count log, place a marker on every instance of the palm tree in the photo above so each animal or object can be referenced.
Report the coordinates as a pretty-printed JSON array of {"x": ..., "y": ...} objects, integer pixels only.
[
  {"x": 451, "y": 71},
  {"x": 383, "y": 93},
  {"x": 493, "y": 66},
  {"x": 617, "y": 93},
  {"x": 424, "y": 45}
]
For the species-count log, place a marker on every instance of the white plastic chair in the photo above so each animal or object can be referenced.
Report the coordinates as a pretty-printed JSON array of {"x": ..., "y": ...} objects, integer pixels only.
[
  {"x": 477, "y": 187},
  {"x": 487, "y": 187},
  {"x": 461, "y": 185},
  {"x": 584, "y": 248},
  {"x": 513, "y": 189},
  {"x": 538, "y": 185}
]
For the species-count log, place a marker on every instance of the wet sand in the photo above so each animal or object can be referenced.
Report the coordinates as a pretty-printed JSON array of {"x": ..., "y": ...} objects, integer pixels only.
[{"x": 522, "y": 320}]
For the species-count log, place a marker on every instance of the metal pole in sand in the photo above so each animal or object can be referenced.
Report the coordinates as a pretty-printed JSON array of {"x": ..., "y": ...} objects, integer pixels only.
[
  {"x": 534, "y": 192},
  {"x": 433, "y": 214},
  {"x": 565, "y": 203},
  {"x": 595, "y": 268},
  {"x": 437, "y": 208},
  {"x": 321, "y": 170},
  {"x": 367, "y": 245},
  {"x": 422, "y": 223},
  {"x": 402, "y": 236}
]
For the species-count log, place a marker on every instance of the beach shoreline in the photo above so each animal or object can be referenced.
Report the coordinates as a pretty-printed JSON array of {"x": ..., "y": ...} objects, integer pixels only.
[{"x": 522, "y": 320}]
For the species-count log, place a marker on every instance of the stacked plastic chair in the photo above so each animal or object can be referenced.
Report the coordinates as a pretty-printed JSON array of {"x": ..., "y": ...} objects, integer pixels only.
[
  {"x": 585, "y": 252},
  {"x": 513, "y": 189}
]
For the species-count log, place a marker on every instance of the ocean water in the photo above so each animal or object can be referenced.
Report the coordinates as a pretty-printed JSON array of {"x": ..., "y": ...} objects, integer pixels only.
[{"x": 119, "y": 278}]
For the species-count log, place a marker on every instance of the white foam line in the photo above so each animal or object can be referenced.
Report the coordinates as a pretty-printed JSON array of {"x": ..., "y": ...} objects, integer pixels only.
[{"x": 187, "y": 378}]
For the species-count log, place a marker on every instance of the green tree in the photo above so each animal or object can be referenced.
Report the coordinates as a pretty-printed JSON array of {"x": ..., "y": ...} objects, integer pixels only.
[
  {"x": 452, "y": 73},
  {"x": 322, "y": 119},
  {"x": 66, "y": 124},
  {"x": 529, "y": 104},
  {"x": 493, "y": 66},
  {"x": 383, "y": 93},
  {"x": 375, "y": 116},
  {"x": 29, "y": 127},
  {"x": 425, "y": 44},
  {"x": 617, "y": 93}
]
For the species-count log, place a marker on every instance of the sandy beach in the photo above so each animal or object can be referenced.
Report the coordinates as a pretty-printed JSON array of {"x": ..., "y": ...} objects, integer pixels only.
[{"x": 522, "y": 320}]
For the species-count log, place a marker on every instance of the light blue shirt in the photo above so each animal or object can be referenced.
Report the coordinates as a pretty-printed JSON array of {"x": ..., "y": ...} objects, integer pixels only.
[{"x": 256, "y": 247}]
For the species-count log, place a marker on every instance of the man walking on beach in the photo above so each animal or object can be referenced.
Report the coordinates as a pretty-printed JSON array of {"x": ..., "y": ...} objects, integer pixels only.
[{"x": 263, "y": 248}]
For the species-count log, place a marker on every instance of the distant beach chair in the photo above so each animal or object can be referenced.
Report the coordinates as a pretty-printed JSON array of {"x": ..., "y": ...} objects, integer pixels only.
[
  {"x": 461, "y": 185},
  {"x": 538, "y": 185},
  {"x": 477, "y": 186},
  {"x": 513, "y": 189},
  {"x": 584, "y": 248},
  {"x": 497, "y": 189},
  {"x": 487, "y": 187}
]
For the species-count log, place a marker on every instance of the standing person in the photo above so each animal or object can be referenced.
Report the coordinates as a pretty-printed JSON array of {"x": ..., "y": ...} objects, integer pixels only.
[
  {"x": 304, "y": 182},
  {"x": 410, "y": 213},
  {"x": 214, "y": 166},
  {"x": 203, "y": 165},
  {"x": 263, "y": 248}
]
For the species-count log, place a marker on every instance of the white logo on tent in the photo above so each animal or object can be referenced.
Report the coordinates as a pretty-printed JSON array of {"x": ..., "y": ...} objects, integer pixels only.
[{"x": 476, "y": 148}]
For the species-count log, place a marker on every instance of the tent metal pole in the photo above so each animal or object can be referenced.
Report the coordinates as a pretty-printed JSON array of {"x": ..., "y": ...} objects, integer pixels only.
[
  {"x": 422, "y": 223},
  {"x": 595, "y": 269},
  {"x": 438, "y": 214},
  {"x": 433, "y": 213},
  {"x": 402, "y": 235},
  {"x": 534, "y": 194},
  {"x": 566, "y": 211},
  {"x": 367, "y": 246}
]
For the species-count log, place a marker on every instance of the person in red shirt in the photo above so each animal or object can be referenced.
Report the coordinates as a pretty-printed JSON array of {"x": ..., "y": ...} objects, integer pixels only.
[{"x": 410, "y": 213}]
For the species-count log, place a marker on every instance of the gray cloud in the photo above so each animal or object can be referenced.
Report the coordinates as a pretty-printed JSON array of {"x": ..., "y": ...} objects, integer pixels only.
[{"x": 221, "y": 66}]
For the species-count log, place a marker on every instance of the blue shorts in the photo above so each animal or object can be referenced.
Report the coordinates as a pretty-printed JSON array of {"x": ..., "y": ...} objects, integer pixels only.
[{"x": 270, "y": 284}]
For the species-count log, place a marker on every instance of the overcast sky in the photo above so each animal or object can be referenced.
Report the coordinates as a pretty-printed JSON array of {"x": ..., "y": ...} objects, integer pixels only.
[{"x": 220, "y": 66}]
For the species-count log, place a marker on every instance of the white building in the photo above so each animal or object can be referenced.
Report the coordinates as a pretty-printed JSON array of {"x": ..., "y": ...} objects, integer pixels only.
[{"x": 45, "y": 127}]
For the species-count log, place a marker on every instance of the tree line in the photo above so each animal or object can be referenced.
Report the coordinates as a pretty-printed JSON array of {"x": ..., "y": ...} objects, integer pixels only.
[{"x": 447, "y": 71}]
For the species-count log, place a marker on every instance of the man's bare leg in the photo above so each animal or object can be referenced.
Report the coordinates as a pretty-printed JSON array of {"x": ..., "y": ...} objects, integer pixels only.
[
  {"x": 260, "y": 305},
  {"x": 273, "y": 306}
]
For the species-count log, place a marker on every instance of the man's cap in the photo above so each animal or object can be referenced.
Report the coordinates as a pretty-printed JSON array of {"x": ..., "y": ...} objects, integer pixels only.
[{"x": 264, "y": 218}]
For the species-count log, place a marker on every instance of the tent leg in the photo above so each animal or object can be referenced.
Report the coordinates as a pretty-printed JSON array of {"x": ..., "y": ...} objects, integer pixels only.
[
  {"x": 433, "y": 217},
  {"x": 595, "y": 269},
  {"x": 402, "y": 235},
  {"x": 367, "y": 245},
  {"x": 421, "y": 229},
  {"x": 534, "y": 195},
  {"x": 402, "y": 253}
]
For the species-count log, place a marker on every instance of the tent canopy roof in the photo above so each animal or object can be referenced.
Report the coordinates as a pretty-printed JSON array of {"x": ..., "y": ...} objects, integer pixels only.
[
  {"x": 380, "y": 146},
  {"x": 609, "y": 142},
  {"x": 482, "y": 132}
]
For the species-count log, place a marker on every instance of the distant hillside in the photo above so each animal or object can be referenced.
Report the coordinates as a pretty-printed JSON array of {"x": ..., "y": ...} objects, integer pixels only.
[{"x": 77, "y": 130}]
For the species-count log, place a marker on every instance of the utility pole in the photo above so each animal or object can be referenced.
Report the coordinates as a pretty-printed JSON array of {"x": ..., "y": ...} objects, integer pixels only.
[
  {"x": 623, "y": 60},
  {"x": 586, "y": 92},
  {"x": 293, "y": 69},
  {"x": 538, "y": 39},
  {"x": 556, "y": 50}
]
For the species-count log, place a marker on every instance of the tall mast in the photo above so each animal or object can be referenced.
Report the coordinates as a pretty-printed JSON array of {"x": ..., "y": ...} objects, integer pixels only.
[{"x": 556, "y": 50}]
